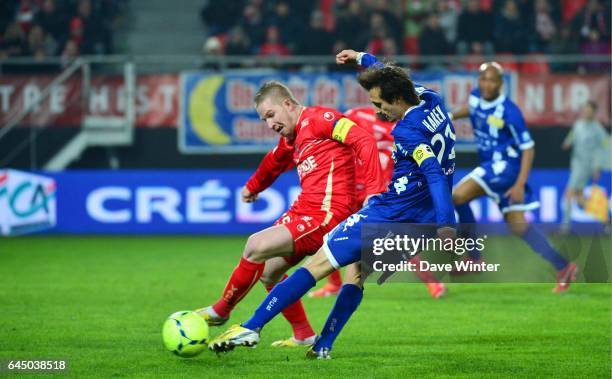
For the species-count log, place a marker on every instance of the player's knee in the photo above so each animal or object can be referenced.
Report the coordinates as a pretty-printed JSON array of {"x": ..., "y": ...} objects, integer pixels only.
[
  {"x": 354, "y": 278},
  {"x": 319, "y": 266},
  {"x": 459, "y": 198},
  {"x": 518, "y": 228},
  {"x": 268, "y": 280},
  {"x": 254, "y": 250}
]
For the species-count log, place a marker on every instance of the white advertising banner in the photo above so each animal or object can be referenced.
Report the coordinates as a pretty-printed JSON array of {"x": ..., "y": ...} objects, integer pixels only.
[{"x": 27, "y": 202}]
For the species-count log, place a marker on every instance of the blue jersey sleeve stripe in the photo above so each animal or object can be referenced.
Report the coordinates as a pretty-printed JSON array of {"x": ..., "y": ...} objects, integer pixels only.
[{"x": 514, "y": 135}]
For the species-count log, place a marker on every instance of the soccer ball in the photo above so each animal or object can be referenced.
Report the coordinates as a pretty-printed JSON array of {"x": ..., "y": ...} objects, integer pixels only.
[{"x": 185, "y": 333}]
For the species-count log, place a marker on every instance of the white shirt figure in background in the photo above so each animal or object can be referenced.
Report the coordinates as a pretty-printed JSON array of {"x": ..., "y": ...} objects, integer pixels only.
[{"x": 588, "y": 141}]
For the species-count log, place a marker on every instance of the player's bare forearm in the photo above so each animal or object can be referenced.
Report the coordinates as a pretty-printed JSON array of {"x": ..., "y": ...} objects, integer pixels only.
[{"x": 460, "y": 113}]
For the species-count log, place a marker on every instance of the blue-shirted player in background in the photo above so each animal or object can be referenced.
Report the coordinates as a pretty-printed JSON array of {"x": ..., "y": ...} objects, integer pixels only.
[
  {"x": 420, "y": 192},
  {"x": 506, "y": 153}
]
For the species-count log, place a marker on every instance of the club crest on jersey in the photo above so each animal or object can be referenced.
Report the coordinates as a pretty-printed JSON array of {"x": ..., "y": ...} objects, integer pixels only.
[
  {"x": 328, "y": 116},
  {"x": 307, "y": 220},
  {"x": 306, "y": 166},
  {"x": 495, "y": 121}
]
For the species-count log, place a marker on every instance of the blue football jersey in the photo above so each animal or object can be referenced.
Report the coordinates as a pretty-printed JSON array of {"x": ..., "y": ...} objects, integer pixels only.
[
  {"x": 424, "y": 157},
  {"x": 424, "y": 132},
  {"x": 499, "y": 128}
]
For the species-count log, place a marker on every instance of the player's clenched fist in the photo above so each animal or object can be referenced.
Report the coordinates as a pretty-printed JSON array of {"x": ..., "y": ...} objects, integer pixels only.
[
  {"x": 346, "y": 56},
  {"x": 247, "y": 196}
]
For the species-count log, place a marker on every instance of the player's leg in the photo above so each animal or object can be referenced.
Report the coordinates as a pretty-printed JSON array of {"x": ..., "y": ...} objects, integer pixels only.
[
  {"x": 282, "y": 295},
  {"x": 342, "y": 247},
  {"x": 436, "y": 288},
  {"x": 464, "y": 192},
  {"x": 568, "y": 197},
  {"x": 578, "y": 179},
  {"x": 566, "y": 270},
  {"x": 303, "y": 334},
  {"x": 331, "y": 288},
  {"x": 346, "y": 304},
  {"x": 271, "y": 242}
]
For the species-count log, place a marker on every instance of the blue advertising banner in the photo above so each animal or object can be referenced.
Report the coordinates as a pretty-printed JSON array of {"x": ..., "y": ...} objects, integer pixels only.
[
  {"x": 217, "y": 113},
  {"x": 208, "y": 201}
]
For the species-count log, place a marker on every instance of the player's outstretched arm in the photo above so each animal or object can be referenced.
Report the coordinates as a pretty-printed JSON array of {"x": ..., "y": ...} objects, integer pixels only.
[
  {"x": 274, "y": 163},
  {"x": 460, "y": 113},
  {"x": 365, "y": 60}
]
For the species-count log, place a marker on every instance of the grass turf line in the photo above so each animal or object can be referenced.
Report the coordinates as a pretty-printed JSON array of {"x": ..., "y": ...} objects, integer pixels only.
[{"x": 99, "y": 302}]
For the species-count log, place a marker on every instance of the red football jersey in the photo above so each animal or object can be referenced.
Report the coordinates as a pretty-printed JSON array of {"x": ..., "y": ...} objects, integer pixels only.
[
  {"x": 324, "y": 149},
  {"x": 381, "y": 130}
]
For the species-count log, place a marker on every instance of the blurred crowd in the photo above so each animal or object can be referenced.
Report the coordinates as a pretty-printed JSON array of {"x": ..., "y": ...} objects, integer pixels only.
[
  {"x": 413, "y": 27},
  {"x": 49, "y": 28}
]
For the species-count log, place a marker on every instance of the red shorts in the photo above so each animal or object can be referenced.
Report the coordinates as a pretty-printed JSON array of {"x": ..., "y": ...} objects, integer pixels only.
[{"x": 307, "y": 233}]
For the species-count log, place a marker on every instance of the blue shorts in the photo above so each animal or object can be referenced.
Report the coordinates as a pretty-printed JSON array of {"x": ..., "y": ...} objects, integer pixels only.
[
  {"x": 342, "y": 245},
  {"x": 496, "y": 178}
]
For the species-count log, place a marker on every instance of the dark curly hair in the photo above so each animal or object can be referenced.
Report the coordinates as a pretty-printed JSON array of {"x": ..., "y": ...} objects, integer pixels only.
[{"x": 393, "y": 81}]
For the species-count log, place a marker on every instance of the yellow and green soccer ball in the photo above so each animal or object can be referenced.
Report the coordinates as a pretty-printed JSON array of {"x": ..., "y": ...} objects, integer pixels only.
[{"x": 185, "y": 333}]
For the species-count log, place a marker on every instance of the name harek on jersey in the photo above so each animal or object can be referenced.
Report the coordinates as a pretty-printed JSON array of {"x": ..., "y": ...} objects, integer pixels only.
[{"x": 440, "y": 144}]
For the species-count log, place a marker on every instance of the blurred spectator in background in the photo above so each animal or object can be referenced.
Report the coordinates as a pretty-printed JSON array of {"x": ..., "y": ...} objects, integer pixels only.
[
  {"x": 96, "y": 38},
  {"x": 316, "y": 40},
  {"x": 544, "y": 26},
  {"x": 7, "y": 14},
  {"x": 474, "y": 25},
  {"x": 595, "y": 45},
  {"x": 414, "y": 16},
  {"x": 53, "y": 21},
  {"x": 76, "y": 31},
  {"x": 352, "y": 27},
  {"x": 564, "y": 42},
  {"x": 378, "y": 33},
  {"x": 220, "y": 15},
  {"x": 511, "y": 34},
  {"x": 238, "y": 43},
  {"x": 273, "y": 45},
  {"x": 25, "y": 15},
  {"x": 212, "y": 48},
  {"x": 40, "y": 45},
  {"x": 289, "y": 25},
  {"x": 13, "y": 42},
  {"x": 593, "y": 17},
  {"x": 433, "y": 39},
  {"x": 391, "y": 20},
  {"x": 252, "y": 22},
  {"x": 447, "y": 14},
  {"x": 70, "y": 53}
]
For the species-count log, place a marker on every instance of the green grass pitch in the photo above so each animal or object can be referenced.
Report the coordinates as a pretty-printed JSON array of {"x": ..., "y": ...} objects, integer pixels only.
[{"x": 100, "y": 302}]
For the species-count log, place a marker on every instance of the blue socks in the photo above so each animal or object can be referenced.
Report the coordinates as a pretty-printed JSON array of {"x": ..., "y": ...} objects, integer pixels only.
[
  {"x": 468, "y": 226},
  {"x": 283, "y": 294},
  {"x": 540, "y": 245},
  {"x": 347, "y": 302}
]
